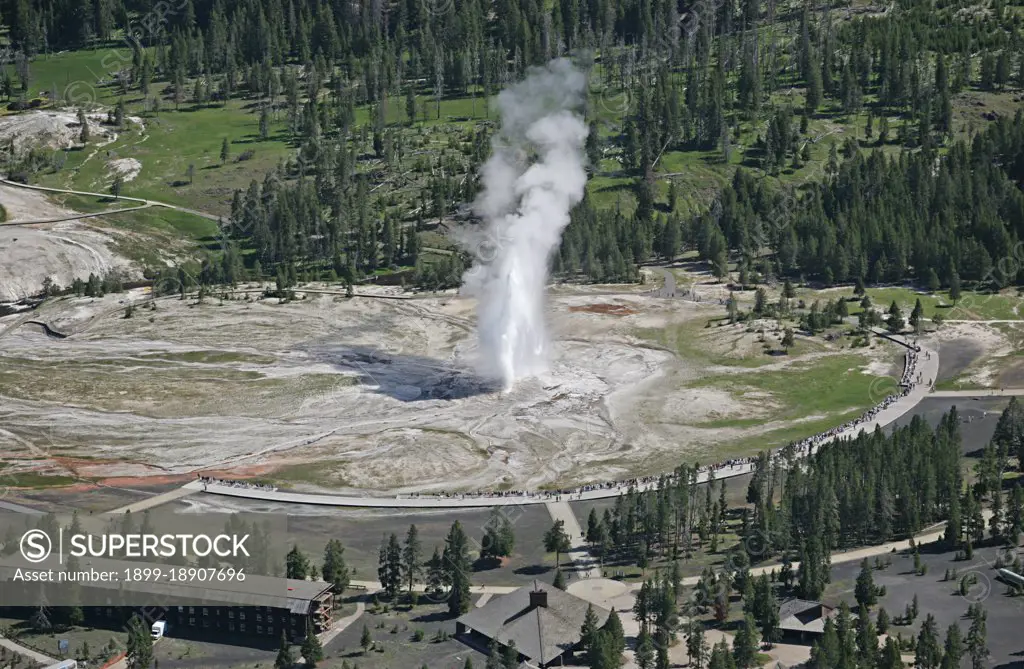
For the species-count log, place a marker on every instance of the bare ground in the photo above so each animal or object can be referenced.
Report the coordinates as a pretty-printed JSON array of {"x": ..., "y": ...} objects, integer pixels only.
[
  {"x": 327, "y": 392},
  {"x": 61, "y": 251}
]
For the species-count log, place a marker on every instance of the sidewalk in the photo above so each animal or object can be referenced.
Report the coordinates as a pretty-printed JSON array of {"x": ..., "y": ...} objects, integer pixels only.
[
  {"x": 586, "y": 565},
  {"x": 27, "y": 652}
]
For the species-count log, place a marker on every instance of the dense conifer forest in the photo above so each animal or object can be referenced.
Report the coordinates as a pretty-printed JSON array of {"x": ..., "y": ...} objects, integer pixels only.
[{"x": 908, "y": 191}]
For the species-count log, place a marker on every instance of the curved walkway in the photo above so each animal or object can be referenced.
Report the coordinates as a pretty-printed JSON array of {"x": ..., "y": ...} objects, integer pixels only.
[
  {"x": 927, "y": 370},
  {"x": 77, "y": 217},
  {"x": 141, "y": 201}
]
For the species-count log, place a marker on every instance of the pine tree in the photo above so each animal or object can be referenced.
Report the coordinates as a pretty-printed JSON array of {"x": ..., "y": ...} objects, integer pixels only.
[
  {"x": 499, "y": 539},
  {"x": 696, "y": 644},
  {"x": 895, "y": 322},
  {"x": 296, "y": 564},
  {"x": 389, "y": 566},
  {"x": 953, "y": 648},
  {"x": 83, "y": 121},
  {"x": 457, "y": 569},
  {"x": 928, "y": 655},
  {"x": 891, "y": 655},
  {"x": 556, "y": 540},
  {"x": 225, "y": 151},
  {"x": 139, "y": 646},
  {"x": 977, "y": 639},
  {"x": 588, "y": 632},
  {"x": 334, "y": 570},
  {"x": 644, "y": 652},
  {"x": 412, "y": 557},
  {"x": 285, "y": 659},
  {"x": 365, "y": 640},
  {"x": 410, "y": 103},
  {"x": 744, "y": 647},
  {"x": 813, "y": 93},
  {"x": 865, "y": 588},
  {"x": 882, "y": 621}
]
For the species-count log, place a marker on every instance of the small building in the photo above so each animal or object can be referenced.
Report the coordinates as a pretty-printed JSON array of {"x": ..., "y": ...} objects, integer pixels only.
[
  {"x": 543, "y": 622},
  {"x": 803, "y": 620}
]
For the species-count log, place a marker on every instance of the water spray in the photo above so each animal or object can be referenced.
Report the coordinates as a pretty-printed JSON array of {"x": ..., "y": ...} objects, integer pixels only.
[{"x": 534, "y": 176}]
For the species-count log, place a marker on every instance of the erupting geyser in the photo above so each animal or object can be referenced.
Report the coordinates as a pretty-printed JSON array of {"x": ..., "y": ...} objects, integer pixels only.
[{"x": 533, "y": 178}]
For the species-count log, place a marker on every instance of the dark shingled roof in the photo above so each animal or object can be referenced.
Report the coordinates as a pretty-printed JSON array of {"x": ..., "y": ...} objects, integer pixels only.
[
  {"x": 801, "y": 615},
  {"x": 540, "y": 633}
]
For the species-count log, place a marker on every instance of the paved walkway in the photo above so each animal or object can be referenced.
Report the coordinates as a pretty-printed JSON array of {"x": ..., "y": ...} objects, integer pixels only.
[
  {"x": 27, "y": 652},
  {"x": 375, "y": 586},
  {"x": 18, "y": 508},
  {"x": 986, "y": 392},
  {"x": 157, "y": 500},
  {"x": 339, "y": 626},
  {"x": 586, "y": 565}
]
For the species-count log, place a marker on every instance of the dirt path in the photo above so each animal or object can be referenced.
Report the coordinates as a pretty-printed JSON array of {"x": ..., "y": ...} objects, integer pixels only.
[
  {"x": 77, "y": 217},
  {"x": 152, "y": 203}
]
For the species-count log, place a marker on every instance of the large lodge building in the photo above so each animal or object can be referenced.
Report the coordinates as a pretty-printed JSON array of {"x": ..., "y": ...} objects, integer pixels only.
[{"x": 253, "y": 611}]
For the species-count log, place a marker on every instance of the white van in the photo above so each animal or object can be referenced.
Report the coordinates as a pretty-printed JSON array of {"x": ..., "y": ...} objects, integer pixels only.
[{"x": 158, "y": 629}]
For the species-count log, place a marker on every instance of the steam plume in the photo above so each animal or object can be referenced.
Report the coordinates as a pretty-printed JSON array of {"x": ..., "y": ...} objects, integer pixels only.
[{"x": 533, "y": 178}]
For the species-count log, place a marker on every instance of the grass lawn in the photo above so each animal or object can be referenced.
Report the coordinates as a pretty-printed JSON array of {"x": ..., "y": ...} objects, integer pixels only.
[
  {"x": 817, "y": 387},
  {"x": 971, "y": 306},
  {"x": 31, "y": 479},
  {"x": 690, "y": 340},
  {"x": 78, "y": 76},
  {"x": 813, "y": 396},
  {"x": 174, "y": 140},
  {"x": 96, "y": 638}
]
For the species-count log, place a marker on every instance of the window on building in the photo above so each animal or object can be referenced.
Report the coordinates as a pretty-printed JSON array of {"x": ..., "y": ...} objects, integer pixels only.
[
  {"x": 241, "y": 615},
  {"x": 242, "y": 627},
  {"x": 192, "y": 622},
  {"x": 259, "y": 629},
  {"x": 231, "y": 614},
  {"x": 191, "y": 609},
  {"x": 259, "y": 617},
  {"x": 206, "y": 611}
]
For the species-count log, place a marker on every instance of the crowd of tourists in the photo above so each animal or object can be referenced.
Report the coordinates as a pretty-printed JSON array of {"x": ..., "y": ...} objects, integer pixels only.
[{"x": 209, "y": 480}]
